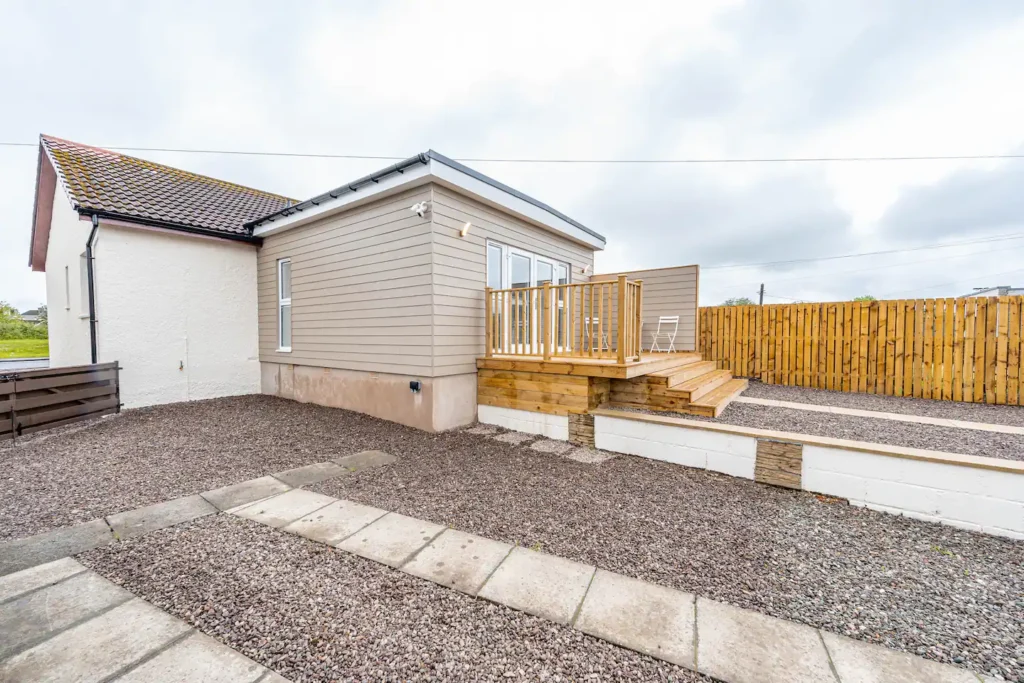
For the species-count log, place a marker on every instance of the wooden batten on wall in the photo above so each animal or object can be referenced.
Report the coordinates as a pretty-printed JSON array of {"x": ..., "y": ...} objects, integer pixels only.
[{"x": 779, "y": 463}]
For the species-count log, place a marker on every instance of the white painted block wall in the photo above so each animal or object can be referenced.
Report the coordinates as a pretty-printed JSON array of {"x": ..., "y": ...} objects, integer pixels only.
[
  {"x": 967, "y": 497},
  {"x": 974, "y": 498},
  {"x": 551, "y": 426},
  {"x": 716, "y": 451}
]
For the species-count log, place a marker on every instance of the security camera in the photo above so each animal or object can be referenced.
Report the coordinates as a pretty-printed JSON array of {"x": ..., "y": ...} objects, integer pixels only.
[{"x": 420, "y": 208}]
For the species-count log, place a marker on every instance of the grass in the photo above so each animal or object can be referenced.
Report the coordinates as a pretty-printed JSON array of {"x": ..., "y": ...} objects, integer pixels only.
[{"x": 24, "y": 348}]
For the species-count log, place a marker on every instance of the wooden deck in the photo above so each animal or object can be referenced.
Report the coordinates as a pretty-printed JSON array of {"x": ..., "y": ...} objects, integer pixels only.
[
  {"x": 589, "y": 367},
  {"x": 675, "y": 382}
]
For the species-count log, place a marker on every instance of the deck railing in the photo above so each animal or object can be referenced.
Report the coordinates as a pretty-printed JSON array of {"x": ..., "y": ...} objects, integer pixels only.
[{"x": 581, "y": 320}]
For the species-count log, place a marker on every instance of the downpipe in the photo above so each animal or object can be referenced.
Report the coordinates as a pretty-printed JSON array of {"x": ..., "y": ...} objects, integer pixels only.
[{"x": 92, "y": 286}]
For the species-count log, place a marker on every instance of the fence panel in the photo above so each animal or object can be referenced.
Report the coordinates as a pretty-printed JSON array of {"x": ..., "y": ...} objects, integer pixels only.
[
  {"x": 31, "y": 400},
  {"x": 945, "y": 349}
]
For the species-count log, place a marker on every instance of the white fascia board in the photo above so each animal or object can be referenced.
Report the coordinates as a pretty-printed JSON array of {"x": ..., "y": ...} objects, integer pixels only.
[
  {"x": 457, "y": 180},
  {"x": 393, "y": 184},
  {"x": 442, "y": 174}
]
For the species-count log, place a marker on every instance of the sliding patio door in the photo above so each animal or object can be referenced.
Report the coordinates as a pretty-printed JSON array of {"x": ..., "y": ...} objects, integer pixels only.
[{"x": 513, "y": 268}]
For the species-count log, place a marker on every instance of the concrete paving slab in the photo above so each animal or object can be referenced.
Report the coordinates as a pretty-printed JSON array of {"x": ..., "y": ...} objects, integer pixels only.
[
  {"x": 235, "y": 495},
  {"x": 34, "y": 617},
  {"x": 274, "y": 677},
  {"x": 458, "y": 560},
  {"x": 392, "y": 539},
  {"x": 153, "y": 517},
  {"x": 336, "y": 522},
  {"x": 364, "y": 459},
  {"x": 742, "y": 646},
  {"x": 589, "y": 456},
  {"x": 52, "y": 545},
  {"x": 311, "y": 474},
  {"x": 482, "y": 429},
  {"x": 859, "y": 662},
  {"x": 641, "y": 616},
  {"x": 196, "y": 659},
  {"x": 19, "y": 583},
  {"x": 540, "y": 584},
  {"x": 285, "y": 508},
  {"x": 97, "y": 648}
]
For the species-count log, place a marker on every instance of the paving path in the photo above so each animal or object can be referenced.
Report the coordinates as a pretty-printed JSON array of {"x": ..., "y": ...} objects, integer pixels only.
[
  {"x": 896, "y": 417},
  {"x": 725, "y": 642},
  {"x": 62, "y": 622}
]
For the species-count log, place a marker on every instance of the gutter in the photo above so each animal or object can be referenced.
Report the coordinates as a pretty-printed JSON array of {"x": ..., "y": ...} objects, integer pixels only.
[
  {"x": 92, "y": 285},
  {"x": 400, "y": 167},
  {"x": 177, "y": 227}
]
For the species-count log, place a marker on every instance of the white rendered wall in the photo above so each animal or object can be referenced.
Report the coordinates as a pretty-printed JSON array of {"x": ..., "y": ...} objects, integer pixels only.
[
  {"x": 968, "y": 497},
  {"x": 551, "y": 426},
  {"x": 68, "y": 322},
  {"x": 727, "y": 453},
  {"x": 179, "y": 313}
]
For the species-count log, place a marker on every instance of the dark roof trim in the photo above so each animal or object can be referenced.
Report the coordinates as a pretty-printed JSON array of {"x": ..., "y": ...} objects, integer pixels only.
[
  {"x": 515, "y": 193},
  {"x": 400, "y": 168},
  {"x": 176, "y": 227}
]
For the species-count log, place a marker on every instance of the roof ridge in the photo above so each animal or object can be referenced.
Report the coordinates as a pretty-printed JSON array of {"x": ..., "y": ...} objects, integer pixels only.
[{"x": 54, "y": 138}]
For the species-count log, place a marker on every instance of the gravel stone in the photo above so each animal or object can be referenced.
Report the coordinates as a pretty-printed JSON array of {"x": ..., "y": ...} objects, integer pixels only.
[
  {"x": 551, "y": 446},
  {"x": 514, "y": 437},
  {"x": 949, "y": 410},
  {"x": 482, "y": 429},
  {"x": 876, "y": 430},
  {"x": 150, "y": 455},
  {"x": 950, "y": 595},
  {"x": 313, "y": 613}
]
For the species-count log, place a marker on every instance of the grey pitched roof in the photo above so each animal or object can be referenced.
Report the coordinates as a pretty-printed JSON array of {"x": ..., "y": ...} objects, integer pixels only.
[
  {"x": 118, "y": 185},
  {"x": 401, "y": 167}
]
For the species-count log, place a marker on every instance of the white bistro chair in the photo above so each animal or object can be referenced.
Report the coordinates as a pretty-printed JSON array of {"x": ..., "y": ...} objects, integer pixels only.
[
  {"x": 668, "y": 322},
  {"x": 601, "y": 342}
]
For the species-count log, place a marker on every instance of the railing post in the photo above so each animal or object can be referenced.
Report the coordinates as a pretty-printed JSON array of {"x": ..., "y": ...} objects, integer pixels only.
[
  {"x": 639, "y": 318},
  {"x": 488, "y": 323},
  {"x": 546, "y": 326},
  {"x": 621, "y": 332}
]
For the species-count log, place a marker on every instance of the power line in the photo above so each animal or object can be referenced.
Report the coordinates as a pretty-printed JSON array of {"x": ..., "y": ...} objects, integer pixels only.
[
  {"x": 693, "y": 160},
  {"x": 955, "y": 282},
  {"x": 996, "y": 238},
  {"x": 882, "y": 267}
]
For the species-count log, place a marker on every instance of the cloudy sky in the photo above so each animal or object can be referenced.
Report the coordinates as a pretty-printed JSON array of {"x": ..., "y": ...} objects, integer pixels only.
[{"x": 697, "y": 79}]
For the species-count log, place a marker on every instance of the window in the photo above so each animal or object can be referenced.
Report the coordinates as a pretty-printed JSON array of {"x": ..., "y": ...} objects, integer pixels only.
[
  {"x": 67, "y": 288},
  {"x": 513, "y": 268},
  {"x": 83, "y": 277},
  {"x": 284, "y": 305}
]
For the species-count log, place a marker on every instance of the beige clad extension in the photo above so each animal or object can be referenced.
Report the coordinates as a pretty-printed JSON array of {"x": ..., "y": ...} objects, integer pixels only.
[{"x": 386, "y": 305}]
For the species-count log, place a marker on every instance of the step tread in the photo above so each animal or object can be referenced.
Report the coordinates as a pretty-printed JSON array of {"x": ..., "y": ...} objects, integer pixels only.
[
  {"x": 684, "y": 363},
  {"x": 722, "y": 396},
  {"x": 700, "y": 380}
]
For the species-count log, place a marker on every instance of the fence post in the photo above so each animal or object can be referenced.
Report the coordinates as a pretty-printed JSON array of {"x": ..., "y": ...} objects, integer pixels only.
[
  {"x": 488, "y": 323},
  {"x": 639, "y": 319},
  {"x": 621, "y": 332},
  {"x": 545, "y": 326}
]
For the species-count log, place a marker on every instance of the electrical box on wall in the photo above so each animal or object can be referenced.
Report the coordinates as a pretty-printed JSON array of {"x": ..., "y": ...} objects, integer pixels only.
[{"x": 415, "y": 386}]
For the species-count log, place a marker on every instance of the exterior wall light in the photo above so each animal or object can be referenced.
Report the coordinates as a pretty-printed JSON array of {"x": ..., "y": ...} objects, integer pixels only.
[{"x": 465, "y": 230}]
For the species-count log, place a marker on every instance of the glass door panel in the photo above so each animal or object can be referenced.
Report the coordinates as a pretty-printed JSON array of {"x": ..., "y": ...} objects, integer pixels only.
[{"x": 520, "y": 277}]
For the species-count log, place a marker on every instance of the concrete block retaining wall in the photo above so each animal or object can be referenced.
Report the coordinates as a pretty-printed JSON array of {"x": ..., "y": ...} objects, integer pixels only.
[
  {"x": 980, "y": 494},
  {"x": 551, "y": 426}
]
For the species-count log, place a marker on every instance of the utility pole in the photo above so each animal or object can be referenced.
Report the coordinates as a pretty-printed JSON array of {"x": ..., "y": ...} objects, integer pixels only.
[{"x": 761, "y": 300}]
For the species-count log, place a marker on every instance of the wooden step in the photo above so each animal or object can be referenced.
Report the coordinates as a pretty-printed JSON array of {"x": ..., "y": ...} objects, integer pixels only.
[
  {"x": 676, "y": 376},
  {"x": 693, "y": 389},
  {"x": 713, "y": 403}
]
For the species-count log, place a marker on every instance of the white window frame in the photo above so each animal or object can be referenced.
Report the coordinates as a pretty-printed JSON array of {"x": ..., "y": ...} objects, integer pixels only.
[
  {"x": 283, "y": 301},
  {"x": 506, "y": 270}
]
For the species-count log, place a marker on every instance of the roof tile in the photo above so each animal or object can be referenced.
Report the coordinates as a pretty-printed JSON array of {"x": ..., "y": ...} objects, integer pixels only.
[{"x": 106, "y": 181}]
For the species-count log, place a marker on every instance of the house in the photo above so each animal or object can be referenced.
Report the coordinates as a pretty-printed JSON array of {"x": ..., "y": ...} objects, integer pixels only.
[
  {"x": 372, "y": 296},
  {"x": 149, "y": 266},
  {"x": 1002, "y": 290},
  {"x": 31, "y": 316}
]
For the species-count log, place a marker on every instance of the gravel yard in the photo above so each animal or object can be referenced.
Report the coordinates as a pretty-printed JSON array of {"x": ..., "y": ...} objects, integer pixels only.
[
  {"x": 973, "y": 412},
  {"x": 876, "y": 430},
  {"x": 946, "y": 594},
  {"x": 150, "y": 455},
  {"x": 316, "y": 614}
]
